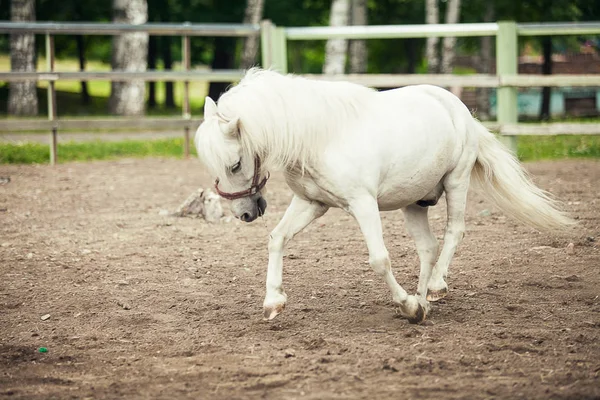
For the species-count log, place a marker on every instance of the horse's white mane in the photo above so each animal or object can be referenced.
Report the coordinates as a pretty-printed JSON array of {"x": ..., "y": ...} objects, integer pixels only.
[{"x": 288, "y": 120}]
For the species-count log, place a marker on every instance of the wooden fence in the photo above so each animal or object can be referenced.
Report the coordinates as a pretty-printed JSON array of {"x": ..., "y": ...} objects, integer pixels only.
[
  {"x": 506, "y": 80},
  {"x": 185, "y": 30},
  {"x": 274, "y": 55}
]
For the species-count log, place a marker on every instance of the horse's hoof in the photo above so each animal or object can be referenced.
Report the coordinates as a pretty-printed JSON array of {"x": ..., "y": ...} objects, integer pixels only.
[
  {"x": 435, "y": 295},
  {"x": 419, "y": 316},
  {"x": 271, "y": 312}
]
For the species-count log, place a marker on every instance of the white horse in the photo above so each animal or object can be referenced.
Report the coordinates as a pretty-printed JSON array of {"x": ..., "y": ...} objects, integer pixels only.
[{"x": 348, "y": 146}]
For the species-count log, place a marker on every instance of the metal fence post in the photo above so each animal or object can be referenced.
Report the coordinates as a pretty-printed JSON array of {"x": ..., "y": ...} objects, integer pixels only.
[
  {"x": 51, "y": 98},
  {"x": 186, "y": 95},
  {"x": 507, "y": 63}
]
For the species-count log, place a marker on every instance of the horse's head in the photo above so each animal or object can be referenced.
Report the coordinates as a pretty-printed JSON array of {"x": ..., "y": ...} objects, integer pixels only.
[{"x": 237, "y": 172}]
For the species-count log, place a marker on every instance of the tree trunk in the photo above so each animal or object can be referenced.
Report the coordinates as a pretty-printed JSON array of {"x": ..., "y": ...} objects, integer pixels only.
[
  {"x": 432, "y": 16},
  {"x": 485, "y": 60},
  {"x": 85, "y": 95},
  {"x": 152, "y": 50},
  {"x": 253, "y": 14},
  {"x": 335, "y": 50},
  {"x": 129, "y": 53},
  {"x": 358, "y": 48},
  {"x": 452, "y": 17},
  {"x": 546, "y": 70},
  {"x": 222, "y": 59},
  {"x": 22, "y": 96},
  {"x": 167, "y": 58}
]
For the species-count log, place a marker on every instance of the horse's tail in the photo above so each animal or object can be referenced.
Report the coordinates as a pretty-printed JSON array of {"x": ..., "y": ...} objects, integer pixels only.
[{"x": 506, "y": 184}]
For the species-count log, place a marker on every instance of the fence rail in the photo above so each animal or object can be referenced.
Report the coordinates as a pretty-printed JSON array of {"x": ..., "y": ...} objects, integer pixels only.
[
  {"x": 123, "y": 76},
  {"x": 375, "y": 80},
  {"x": 89, "y": 28},
  {"x": 274, "y": 55},
  {"x": 100, "y": 123},
  {"x": 390, "y": 31},
  {"x": 560, "y": 28},
  {"x": 476, "y": 80}
]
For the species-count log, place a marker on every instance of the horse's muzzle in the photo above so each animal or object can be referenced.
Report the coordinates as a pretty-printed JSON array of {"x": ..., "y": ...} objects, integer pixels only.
[{"x": 251, "y": 209}]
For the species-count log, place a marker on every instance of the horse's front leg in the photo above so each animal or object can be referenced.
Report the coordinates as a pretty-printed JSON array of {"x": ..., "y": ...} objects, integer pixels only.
[
  {"x": 299, "y": 214},
  {"x": 366, "y": 212}
]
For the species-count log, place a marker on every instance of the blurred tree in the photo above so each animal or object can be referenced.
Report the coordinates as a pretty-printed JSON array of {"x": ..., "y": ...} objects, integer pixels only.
[
  {"x": 130, "y": 53},
  {"x": 336, "y": 49},
  {"x": 252, "y": 15},
  {"x": 432, "y": 16},
  {"x": 358, "y": 48},
  {"x": 22, "y": 97},
  {"x": 449, "y": 43}
]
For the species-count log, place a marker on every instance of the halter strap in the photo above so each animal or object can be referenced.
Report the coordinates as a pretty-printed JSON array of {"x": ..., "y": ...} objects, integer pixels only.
[{"x": 255, "y": 188}]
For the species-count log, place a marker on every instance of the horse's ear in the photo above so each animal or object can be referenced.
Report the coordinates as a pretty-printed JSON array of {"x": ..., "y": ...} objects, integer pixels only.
[
  {"x": 210, "y": 107},
  {"x": 231, "y": 128}
]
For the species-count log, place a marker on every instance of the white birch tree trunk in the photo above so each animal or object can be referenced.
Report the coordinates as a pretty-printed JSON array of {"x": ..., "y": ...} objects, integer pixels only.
[
  {"x": 22, "y": 96},
  {"x": 358, "y": 48},
  {"x": 129, "y": 53},
  {"x": 432, "y": 16},
  {"x": 335, "y": 50},
  {"x": 448, "y": 53},
  {"x": 253, "y": 14}
]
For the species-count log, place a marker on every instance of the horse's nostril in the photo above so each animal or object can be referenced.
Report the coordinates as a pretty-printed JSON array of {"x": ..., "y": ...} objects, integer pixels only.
[
  {"x": 262, "y": 206},
  {"x": 245, "y": 217}
]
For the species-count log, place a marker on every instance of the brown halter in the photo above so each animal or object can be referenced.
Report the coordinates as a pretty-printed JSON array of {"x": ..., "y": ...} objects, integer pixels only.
[{"x": 255, "y": 188}]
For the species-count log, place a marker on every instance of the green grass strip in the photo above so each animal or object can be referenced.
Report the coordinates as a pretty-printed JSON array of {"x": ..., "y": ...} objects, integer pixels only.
[
  {"x": 531, "y": 148},
  {"x": 32, "y": 153}
]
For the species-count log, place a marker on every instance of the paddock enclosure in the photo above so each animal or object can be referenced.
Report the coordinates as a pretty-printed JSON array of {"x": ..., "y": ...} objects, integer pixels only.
[{"x": 145, "y": 305}]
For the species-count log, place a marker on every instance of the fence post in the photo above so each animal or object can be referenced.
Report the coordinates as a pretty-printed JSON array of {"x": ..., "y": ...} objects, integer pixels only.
[
  {"x": 186, "y": 95},
  {"x": 273, "y": 44},
  {"x": 266, "y": 39},
  {"x": 51, "y": 97},
  {"x": 507, "y": 63},
  {"x": 280, "y": 50}
]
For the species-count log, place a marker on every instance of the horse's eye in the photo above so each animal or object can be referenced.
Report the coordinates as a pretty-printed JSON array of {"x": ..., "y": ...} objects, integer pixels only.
[{"x": 236, "y": 167}]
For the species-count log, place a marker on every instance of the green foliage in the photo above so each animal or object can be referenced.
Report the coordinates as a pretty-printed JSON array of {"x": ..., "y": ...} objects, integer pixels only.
[{"x": 35, "y": 153}]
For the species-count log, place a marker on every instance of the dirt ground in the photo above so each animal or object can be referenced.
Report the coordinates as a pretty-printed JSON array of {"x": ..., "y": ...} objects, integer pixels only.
[{"x": 144, "y": 305}]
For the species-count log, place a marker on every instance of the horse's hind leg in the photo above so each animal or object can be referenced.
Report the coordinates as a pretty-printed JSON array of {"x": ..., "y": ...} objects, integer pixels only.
[
  {"x": 456, "y": 185},
  {"x": 366, "y": 212},
  {"x": 417, "y": 226}
]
